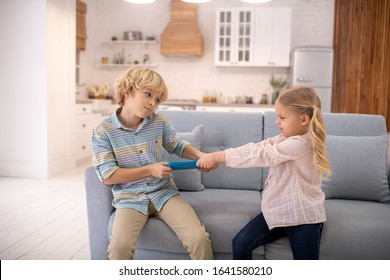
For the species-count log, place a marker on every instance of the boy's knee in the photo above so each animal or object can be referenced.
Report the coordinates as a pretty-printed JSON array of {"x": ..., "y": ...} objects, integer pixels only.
[{"x": 120, "y": 251}]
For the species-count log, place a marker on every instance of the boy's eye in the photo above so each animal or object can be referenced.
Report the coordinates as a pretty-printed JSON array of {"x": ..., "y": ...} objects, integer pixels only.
[
  {"x": 148, "y": 94},
  {"x": 158, "y": 100}
]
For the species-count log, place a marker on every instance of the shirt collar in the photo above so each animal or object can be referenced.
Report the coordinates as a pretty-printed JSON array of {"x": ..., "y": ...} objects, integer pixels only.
[{"x": 117, "y": 123}]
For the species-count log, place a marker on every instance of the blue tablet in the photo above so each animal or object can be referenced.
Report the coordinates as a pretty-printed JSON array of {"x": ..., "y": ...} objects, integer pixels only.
[{"x": 180, "y": 165}]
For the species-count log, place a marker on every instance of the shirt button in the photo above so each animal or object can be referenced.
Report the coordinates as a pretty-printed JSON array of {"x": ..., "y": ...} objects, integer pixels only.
[
  {"x": 140, "y": 151},
  {"x": 148, "y": 184}
]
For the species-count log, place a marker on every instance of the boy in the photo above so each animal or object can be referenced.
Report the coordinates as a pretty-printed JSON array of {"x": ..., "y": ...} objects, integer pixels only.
[{"x": 128, "y": 155}]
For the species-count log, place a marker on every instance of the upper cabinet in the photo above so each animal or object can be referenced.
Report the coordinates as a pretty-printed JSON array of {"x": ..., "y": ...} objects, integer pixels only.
[
  {"x": 234, "y": 42},
  {"x": 273, "y": 36},
  {"x": 253, "y": 37}
]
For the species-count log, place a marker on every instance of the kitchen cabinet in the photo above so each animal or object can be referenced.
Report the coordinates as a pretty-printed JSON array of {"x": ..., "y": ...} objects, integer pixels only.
[
  {"x": 85, "y": 120},
  {"x": 273, "y": 36},
  {"x": 253, "y": 37},
  {"x": 234, "y": 37},
  {"x": 127, "y": 54}
]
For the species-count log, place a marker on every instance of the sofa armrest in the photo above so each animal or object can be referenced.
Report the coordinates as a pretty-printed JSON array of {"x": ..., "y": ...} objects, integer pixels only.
[
  {"x": 388, "y": 173},
  {"x": 99, "y": 210}
]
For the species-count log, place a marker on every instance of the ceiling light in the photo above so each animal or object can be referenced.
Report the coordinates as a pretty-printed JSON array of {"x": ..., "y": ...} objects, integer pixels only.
[
  {"x": 256, "y": 1},
  {"x": 196, "y": 1},
  {"x": 140, "y": 1}
]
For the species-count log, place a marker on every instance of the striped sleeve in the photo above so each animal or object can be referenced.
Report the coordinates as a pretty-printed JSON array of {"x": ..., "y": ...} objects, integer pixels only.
[
  {"x": 172, "y": 142},
  {"x": 103, "y": 158}
]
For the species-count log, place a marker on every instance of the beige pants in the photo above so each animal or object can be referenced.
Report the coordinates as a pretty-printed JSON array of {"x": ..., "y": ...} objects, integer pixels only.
[{"x": 176, "y": 213}]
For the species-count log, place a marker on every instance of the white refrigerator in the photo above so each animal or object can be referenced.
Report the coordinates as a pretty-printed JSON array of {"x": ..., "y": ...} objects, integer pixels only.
[{"x": 313, "y": 67}]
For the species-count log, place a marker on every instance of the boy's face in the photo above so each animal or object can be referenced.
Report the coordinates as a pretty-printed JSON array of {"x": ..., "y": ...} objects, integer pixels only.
[{"x": 143, "y": 102}]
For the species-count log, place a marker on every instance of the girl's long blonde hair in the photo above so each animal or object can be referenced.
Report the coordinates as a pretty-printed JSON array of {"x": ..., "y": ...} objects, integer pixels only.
[{"x": 304, "y": 101}]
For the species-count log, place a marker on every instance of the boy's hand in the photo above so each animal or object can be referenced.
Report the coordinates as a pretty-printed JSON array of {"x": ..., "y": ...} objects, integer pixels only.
[{"x": 160, "y": 170}]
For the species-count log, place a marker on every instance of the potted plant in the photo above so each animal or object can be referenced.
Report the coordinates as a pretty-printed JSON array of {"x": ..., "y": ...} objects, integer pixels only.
[{"x": 277, "y": 84}]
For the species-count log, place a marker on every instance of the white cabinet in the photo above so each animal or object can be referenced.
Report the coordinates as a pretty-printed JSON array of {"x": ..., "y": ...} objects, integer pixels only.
[
  {"x": 85, "y": 120},
  {"x": 273, "y": 36},
  {"x": 253, "y": 37},
  {"x": 127, "y": 54},
  {"x": 234, "y": 37}
]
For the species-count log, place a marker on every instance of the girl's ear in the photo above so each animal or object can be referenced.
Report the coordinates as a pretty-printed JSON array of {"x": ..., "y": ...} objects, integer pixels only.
[{"x": 305, "y": 119}]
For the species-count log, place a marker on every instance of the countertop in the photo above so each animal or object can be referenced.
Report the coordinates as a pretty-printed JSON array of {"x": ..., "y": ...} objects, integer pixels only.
[{"x": 195, "y": 104}]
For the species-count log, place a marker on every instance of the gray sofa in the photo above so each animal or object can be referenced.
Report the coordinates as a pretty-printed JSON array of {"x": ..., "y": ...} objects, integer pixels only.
[{"x": 357, "y": 197}]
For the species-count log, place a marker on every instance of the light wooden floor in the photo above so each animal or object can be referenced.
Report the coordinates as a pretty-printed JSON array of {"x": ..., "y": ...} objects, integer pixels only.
[{"x": 44, "y": 219}]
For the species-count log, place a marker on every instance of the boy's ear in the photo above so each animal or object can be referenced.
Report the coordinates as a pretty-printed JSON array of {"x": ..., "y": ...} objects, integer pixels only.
[{"x": 305, "y": 119}]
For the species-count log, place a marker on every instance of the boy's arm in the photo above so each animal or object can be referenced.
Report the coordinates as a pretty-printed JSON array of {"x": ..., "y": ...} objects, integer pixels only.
[
  {"x": 190, "y": 152},
  {"x": 122, "y": 175}
]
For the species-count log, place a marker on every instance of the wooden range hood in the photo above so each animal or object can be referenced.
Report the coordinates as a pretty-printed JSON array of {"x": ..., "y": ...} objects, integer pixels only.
[{"x": 181, "y": 37}]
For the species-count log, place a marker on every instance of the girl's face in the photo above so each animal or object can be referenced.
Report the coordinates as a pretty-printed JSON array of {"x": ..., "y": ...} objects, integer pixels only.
[
  {"x": 143, "y": 103},
  {"x": 289, "y": 122}
]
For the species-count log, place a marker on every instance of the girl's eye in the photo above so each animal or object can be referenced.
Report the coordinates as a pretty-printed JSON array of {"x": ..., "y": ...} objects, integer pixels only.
[
  {"x": 148, "y": 94},
  {"x": 158, "y": 100}
]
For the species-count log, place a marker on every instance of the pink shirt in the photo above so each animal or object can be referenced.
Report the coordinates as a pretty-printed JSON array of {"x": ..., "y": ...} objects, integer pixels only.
[{"x": 292, "y": 193}]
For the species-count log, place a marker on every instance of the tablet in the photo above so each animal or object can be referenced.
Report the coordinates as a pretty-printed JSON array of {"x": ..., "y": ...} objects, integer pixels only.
[{"x": 180, "y": 165}]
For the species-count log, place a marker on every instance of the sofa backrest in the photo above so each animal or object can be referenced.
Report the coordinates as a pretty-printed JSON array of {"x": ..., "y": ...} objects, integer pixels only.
[
  {"x": 357, "y": 154},
  {"x": 223, "y": 130},
  {"x": 337, "y": 124}
]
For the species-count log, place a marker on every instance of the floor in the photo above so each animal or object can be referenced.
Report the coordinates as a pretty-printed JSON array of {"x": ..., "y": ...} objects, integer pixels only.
[{"x": 44, "y": 219}]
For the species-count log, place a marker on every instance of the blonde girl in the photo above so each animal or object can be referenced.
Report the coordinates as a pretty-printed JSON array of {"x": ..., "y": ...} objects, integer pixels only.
[{"x": 292, "y": 200}]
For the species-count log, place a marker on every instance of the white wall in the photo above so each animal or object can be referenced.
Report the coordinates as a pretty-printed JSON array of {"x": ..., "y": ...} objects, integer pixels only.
[
  {"x": 35, "y": 87},
  {"x": 312, "y": 24}
]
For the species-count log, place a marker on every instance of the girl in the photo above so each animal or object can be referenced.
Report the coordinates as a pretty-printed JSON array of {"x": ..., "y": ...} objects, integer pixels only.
[{"x": 292, "y": 199}]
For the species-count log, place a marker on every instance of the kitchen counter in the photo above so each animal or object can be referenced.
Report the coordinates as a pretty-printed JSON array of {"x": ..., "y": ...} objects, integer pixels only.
[{"x": 221, "y": 107}]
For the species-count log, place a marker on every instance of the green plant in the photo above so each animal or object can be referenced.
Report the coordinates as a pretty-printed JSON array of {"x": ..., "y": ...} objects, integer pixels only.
[{"x": 277, "y": 84}]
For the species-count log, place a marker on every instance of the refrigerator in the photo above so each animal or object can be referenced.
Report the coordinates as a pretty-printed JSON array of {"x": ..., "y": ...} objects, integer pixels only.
[{"x": 313, "y": 67}]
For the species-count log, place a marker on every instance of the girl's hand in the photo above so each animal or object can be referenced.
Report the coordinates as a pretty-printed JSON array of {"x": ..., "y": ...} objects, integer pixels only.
[
  {"x": 160, "y": 170},
  {"x": 210, "y": 161}
]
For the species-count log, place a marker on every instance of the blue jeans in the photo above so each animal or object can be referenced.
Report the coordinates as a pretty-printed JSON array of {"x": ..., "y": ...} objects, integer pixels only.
[{"x": 304, "y": 239}]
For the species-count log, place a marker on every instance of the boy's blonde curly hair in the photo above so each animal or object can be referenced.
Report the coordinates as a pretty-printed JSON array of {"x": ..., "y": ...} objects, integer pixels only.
[{"x": 138, "y": 79}]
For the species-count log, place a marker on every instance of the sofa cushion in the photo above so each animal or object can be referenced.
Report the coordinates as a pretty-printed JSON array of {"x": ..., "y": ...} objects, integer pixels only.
[
  {"x": 354, "y": 230},
  {"x": 188, "y": 180},
  {"x": 223, "y": 212},
  {"x": 359, "y": 168}
]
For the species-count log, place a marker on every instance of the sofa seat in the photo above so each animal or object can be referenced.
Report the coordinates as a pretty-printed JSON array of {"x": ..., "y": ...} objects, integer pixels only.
[
  {"x": 351, "y": 232},
  {"x": 215, "y": 208}
]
